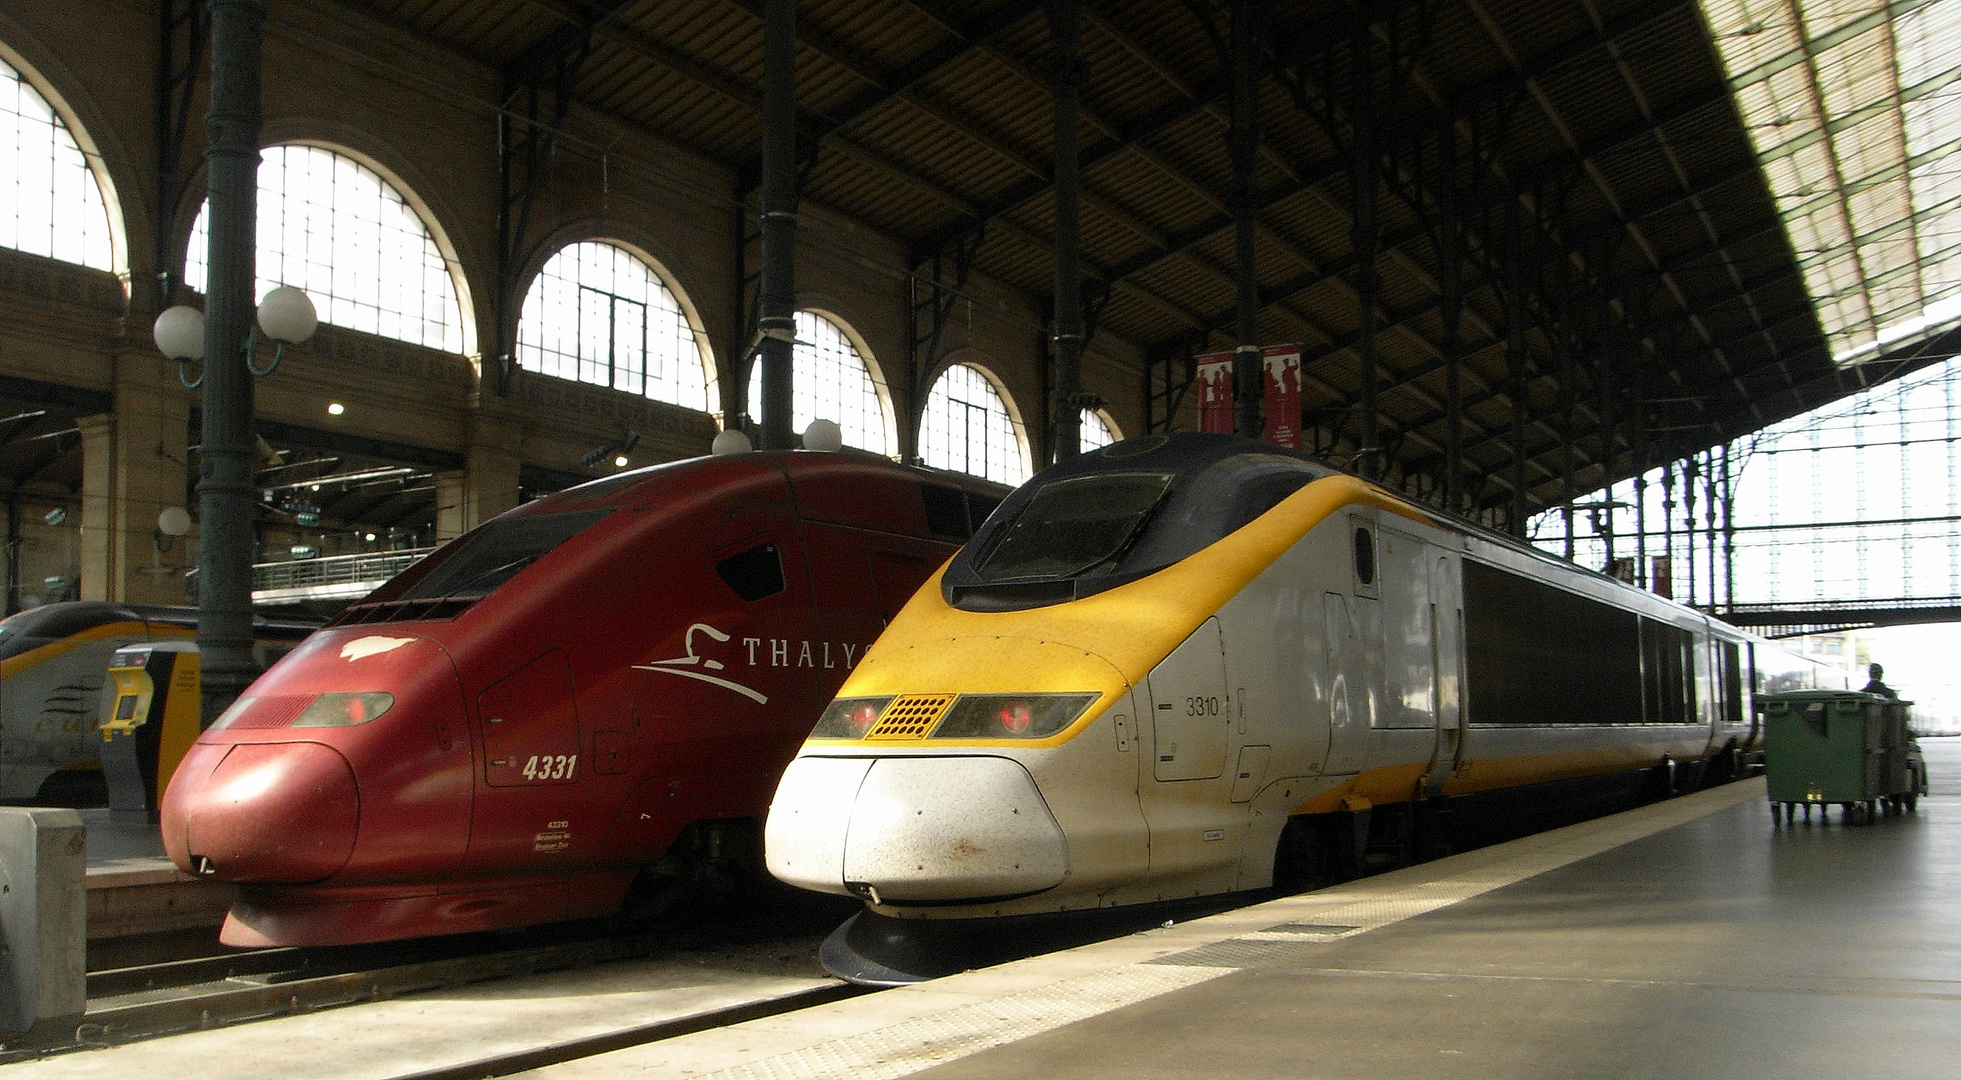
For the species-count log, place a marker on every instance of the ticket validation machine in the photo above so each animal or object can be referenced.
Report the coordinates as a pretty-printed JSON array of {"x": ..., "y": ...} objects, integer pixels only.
[{"x": 149, "y": 722}]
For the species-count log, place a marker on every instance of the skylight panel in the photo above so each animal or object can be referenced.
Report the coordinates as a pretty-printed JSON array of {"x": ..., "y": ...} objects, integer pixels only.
[{"x": 1854, "y": 109}]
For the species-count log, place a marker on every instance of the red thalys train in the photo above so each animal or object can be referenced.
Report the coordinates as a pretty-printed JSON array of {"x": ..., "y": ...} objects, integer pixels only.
[{"x": 597, "y": 688}]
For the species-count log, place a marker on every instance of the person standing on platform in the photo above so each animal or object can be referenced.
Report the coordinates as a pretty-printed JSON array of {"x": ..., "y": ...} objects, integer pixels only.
[{"x": 1876, "y": 686}]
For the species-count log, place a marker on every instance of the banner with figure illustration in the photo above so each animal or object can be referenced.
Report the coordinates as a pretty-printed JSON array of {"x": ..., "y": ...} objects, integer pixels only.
[
  {"x": 1215, "y": 393},
  {"x": 1283, "y": 395}
]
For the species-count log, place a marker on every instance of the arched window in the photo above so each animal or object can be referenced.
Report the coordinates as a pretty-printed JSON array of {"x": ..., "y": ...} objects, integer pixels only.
[
  {"x": 50, "y": 200},
  {"x": 599, "y": 314},
  {"x": 967, "y": 428},
  {"x": 1098, "y": 430},
  {"x": 332, "y": 226},
  {"x": 834, "y": 381}
]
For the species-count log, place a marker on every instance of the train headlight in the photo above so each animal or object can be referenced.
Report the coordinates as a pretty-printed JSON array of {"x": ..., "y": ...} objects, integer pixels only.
[
  {"x": 1011, "y": 716},
  {"x": 344, "y": 710},
  {"x": 849, "y": 718}
]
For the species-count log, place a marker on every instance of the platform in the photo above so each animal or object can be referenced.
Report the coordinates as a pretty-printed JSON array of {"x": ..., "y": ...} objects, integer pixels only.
[
  {"x": 133, "y": 890},
  {"x": 1687, "y": 939},
  {"x": 1691, "y": 938}
]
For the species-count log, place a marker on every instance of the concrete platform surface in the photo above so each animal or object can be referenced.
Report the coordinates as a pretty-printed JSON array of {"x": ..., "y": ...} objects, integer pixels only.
[
  {"x": 133, "y": 889},
  {"x": 117, "y": 844},
  {"x": 1687, "y": 939},
  {"x": 437, "y": 1030}
]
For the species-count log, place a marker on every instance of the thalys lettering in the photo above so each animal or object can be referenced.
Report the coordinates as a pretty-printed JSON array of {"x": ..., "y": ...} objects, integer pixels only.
[{"x": 761, "y": 652}]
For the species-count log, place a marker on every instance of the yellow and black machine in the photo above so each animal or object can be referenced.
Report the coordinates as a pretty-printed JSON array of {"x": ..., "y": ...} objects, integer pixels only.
[{"x": 149, "y": 722}]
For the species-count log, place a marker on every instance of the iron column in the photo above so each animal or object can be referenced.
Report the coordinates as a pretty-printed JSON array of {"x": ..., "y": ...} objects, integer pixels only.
[
  {"x": 1248, "y": 366},
  {"x": 226, "y": 490},
  {"x": 776, "y": 293},
  {"x": 1065, "y": 19}
]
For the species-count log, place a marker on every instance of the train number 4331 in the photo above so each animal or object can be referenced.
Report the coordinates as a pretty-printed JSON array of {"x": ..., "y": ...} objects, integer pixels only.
[{"x": 549, "y": 767}]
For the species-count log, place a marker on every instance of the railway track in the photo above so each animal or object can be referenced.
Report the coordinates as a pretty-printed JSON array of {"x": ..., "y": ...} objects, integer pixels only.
[{"x": 129, "y": 1004}]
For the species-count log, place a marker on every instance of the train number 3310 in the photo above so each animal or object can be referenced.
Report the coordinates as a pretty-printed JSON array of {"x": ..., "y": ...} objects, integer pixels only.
[
  {"x": 549, "y": 767},
  {"x": 1201, "y": 706}
]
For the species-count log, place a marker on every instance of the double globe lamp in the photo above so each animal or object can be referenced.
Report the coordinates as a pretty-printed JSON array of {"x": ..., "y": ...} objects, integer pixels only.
[{"x": 286, "y": 316}]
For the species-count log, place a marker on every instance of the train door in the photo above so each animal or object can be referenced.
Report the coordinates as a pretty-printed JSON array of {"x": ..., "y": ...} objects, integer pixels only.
[
  {"x": 531, "y": 754},
  {"x": 1409, "y": 639},
  {"x": 1192, "y": 708},
  {"x": 898, "y": 567},
  {"x": 1447, "y": 615},
  {"x": 1352, "y": 650},
  {"x": 842, "y": 588},
  {"x": 1187, "y": 804}
]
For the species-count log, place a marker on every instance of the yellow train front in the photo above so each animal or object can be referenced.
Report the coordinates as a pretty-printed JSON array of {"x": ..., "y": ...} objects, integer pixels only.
[{"x": 1193, "y": 664}]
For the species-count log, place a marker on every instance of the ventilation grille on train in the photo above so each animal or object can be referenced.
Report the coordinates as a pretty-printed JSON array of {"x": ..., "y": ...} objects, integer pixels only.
[
  {"x": 910, "y": 716},
  {"x": 444, "y": 607},
  {"x": 275, "y": 711}
]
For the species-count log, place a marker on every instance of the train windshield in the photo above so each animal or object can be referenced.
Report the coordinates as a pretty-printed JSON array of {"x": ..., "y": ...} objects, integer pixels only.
[
  {"x": 1118, "y": 514},
  {"x": 497, "y": 552},
  {"x": 1074, "y": 526}
]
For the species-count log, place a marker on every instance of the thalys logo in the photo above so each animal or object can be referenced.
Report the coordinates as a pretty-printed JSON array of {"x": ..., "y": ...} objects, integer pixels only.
[{"x": 757, "y": 652}]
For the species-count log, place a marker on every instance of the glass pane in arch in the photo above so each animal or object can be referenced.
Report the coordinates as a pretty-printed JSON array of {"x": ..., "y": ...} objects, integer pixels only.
[
  {"x": 50, "y": 202},
  {"x": 967, "y": 428},
  {"x": 1098, "y": 430},
  {"x": 599, "y": 314},
  {"x": 835, "y": 382},
  {"x": 332, "y": 226}
]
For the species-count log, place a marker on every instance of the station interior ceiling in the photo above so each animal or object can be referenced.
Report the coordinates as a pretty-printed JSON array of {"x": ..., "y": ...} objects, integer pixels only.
[{"x": 1574, "y": 179}]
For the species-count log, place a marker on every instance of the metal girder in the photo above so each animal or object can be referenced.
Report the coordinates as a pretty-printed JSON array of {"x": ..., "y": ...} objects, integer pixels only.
[
  {"x": 933, "y": 298},
  {"x": 335, "y": 442},
  {"x": 182, "y": 27},
  {"x": 1536, "y": 68},
  {"x": 973, "y": 32},
  {"x": 1029, "y": 190},
  {"x": 78, "y": 401},
  {"x": 540, "y": 82}
]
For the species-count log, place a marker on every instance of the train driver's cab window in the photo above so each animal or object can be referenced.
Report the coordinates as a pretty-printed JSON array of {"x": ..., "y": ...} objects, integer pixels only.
[
  {"x": 946, "y": 512},
  {"x": 1073, "y": 527},
  {"x": 753, "y": 574},
  {"x": 497, "y": 551}
]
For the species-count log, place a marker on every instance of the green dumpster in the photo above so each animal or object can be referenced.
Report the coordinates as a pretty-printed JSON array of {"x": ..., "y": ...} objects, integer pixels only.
[{"x": 1856, "y": 750}]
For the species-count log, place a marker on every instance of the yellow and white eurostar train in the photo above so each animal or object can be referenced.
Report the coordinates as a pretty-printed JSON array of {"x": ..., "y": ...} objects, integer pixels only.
[
  {"x": 1194, "y": 664},
  {"x": 54, "y": 660}
]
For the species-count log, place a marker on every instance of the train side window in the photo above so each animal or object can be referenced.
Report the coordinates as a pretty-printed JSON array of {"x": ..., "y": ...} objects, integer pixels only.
[
  {"x": 753, "y": 574},
  {"x": 1364, "y": 556},
  {"x": 979, "y": 507},
  {"x": 946, "y": 511}
]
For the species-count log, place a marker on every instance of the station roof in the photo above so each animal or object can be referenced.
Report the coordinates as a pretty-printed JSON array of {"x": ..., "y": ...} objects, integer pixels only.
[
  {"x": 1599, "y": 153},
  {"x": 1853, "y": 108}
]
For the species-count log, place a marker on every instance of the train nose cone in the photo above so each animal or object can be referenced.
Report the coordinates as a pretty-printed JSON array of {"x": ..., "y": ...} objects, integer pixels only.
[
  {"x": 273, "y": 813},
  {"x": 914, "y": 829}
]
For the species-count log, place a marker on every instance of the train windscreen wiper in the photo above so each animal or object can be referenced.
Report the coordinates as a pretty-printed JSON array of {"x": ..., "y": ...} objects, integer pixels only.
[{"x": 1073, "y": 526}]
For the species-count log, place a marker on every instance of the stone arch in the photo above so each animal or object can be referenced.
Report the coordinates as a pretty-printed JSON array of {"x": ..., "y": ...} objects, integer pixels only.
[
  {"x": 864, "y": 412},
  {"x": 1004, "y": 454},
  {"x": 114, "y": 241},
  {"x": 465, "y": 332},
  {"x": 690, "y": 316}
]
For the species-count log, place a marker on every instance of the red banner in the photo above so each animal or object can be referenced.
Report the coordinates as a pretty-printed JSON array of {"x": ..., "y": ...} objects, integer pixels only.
[
  {"x": 1283, "y": 395},
  {"x": 1215, "y": 393}
]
